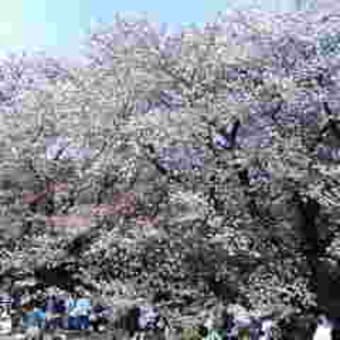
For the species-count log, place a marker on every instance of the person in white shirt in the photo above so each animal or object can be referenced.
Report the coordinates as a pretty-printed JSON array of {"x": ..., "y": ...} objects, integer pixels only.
[
  {"x": 82, "y": 311},
  {"x": 71, "y": 312},
  {"x": 266, "y": 326},
  {"x": 5, "y": 320},
  {"x": 209, "y": 323},
  {"x": 323, "y": 330}
]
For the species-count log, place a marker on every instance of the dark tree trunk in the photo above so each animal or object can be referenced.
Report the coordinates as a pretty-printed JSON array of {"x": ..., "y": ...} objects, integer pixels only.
[{"x": 322, "y": 282}]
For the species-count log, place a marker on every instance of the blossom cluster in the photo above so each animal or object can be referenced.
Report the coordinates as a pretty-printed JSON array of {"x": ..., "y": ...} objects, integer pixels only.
[
  {"x": 329, "y": 45},
  {"x": 168, "y": 101},
  {"x": 54, "y": 145},
  {"x": 327, "y": 153},
  {"x": 179, "y": 158},
  {"x": 85, "y": 221},
  {"x": 256, "y": 175},
  {"x": 123, "y": 203}
]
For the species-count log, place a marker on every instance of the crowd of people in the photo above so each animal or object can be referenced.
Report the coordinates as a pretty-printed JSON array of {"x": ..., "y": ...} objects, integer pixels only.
[
  {"x": 33, "y": 316},
  {"x": 44, "y": 313}
]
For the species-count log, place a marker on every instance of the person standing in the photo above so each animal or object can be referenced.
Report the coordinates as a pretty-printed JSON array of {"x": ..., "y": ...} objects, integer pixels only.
[
  {"x": 131, "y": 321},
  {"x": 241, "y": 326},
  {"x": 5, "y": 321},
  {"x": 210, "y": 325},
  {"x": 5, "y": 314},
  {"x": 336, "y": 328},
  {"x": 266, "y": 329},
  {"x": 323, "y": 330},
  {"x": 71, "y": 312},
  {"x": 214, "y": 334},
  {"x": 33, "y": 322},
  {"x": 243, "y": 334},
  {"x": 148, "y": 318},
  {"x": 99, "y": 317},
  {"x": 60, "y": 309},
  {"x": 192, "y": 333},
  {"x": 83, "y": 310},
  {"x": 51, "y": 312},
  {"x": 163, "y": 328}
]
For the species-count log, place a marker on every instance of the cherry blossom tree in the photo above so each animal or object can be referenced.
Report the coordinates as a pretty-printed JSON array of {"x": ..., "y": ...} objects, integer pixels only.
[{"x": 257, "y": 97}]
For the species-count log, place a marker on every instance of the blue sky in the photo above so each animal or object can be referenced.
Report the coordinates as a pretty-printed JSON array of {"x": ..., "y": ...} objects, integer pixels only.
[{"x": 57, "y": 26}]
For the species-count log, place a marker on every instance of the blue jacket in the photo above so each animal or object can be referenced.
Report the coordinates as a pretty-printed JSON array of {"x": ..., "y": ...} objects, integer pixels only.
[{"x": 35, "y": 318}]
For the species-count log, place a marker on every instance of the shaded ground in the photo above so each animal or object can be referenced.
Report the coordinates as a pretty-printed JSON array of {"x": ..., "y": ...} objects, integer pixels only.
[{"x": 70, "y": 336}]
